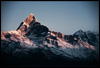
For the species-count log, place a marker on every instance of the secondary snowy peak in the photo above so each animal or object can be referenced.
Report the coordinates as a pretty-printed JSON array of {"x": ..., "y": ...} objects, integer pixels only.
[
  {"x": 79, "y": 32},
  {"x": 88, "y": 36}
]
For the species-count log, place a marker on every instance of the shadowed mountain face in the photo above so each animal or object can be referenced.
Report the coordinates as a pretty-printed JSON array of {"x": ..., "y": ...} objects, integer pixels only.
[{"x": 34, "y": 44}]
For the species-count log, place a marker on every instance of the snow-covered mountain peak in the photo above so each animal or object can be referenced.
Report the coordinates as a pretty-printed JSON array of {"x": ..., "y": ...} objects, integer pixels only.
[{"x": 37, "y": 44}]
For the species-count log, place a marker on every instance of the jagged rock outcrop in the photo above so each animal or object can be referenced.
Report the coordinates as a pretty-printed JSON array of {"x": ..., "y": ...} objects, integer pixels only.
[{"x": 34, "y": 44}]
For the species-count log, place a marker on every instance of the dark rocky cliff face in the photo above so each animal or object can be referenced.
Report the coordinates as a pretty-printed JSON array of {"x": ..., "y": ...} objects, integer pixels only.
[
  {"x": 38, "y": 30},
  {"x": 34, "y": 44}
]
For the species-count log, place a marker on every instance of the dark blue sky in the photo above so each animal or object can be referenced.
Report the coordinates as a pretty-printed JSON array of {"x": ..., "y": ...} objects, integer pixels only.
[{"x": 61, "y": 16}]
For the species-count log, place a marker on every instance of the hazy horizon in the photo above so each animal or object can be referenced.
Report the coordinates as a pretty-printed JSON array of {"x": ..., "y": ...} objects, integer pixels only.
[{"x": 66, "y": 17}]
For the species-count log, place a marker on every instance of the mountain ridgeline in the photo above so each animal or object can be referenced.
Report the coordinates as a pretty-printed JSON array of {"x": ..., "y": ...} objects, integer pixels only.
[{"x": 33, "y": 44}]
